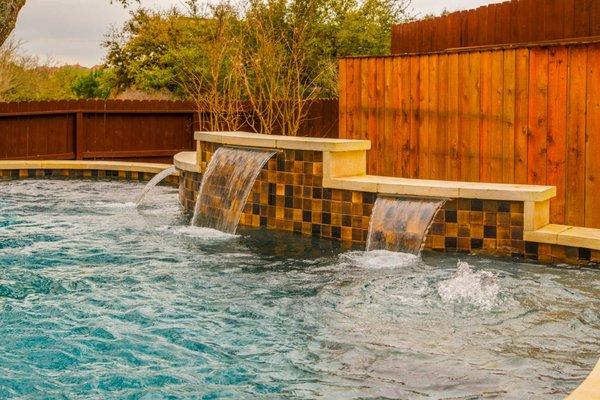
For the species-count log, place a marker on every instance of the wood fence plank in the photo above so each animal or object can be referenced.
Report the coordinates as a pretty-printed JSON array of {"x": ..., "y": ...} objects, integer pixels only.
[
  {"x": 405, "y": 114},
  {"x": 350, "y": 96},
  {"x": 576, "y": 131},
  {"x": 365, "y": 70},
  {"x": 497, "y": 81},
  {"x": 557, "y": 126},
  {"x": 508, "y": 116},
  {"x": 372, "y": 122},
  {"x": 415, "y": 117},
  {"x": 441, "y": 151},
  {"x": 433, "y": 115},
  {"x": 387, "y": 153},
  {"x": 423, "y": 141},
  {"x": 453, "y": 165},
  {"x": 581, "y": 18},
  {"x": 343, "y": 90},
  {"x": 592, "y": 205},
  {"x": 521, "y": 114},
  {"x": 380, "y": 116},
  {"x": 538, "y": 117},
  {"x": 396, "y": 134},
  {"x": 485, "y": 122}
]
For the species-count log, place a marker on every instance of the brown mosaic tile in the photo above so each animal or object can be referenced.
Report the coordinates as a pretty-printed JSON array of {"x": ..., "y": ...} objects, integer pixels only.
[{"x": 289, "y": 195}]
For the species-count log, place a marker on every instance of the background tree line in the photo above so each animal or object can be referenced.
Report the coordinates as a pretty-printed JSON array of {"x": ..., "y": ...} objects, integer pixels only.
[{"x": 270, "y": 56}]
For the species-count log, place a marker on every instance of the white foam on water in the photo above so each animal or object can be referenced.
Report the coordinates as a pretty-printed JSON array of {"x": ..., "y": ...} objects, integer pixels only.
[
  {"x": 467, "y": 286},
  {"x": 128, "y": 204},
  {"x": 380, "y": 259},
  {"x": 203, "y": 233}
]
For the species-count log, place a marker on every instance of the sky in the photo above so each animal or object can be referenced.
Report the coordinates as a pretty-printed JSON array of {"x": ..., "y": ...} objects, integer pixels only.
[{"x": 72, "y": 31}]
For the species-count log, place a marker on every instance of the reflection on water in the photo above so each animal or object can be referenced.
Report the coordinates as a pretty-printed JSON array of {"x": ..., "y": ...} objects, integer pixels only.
[{"x": 103, "y": 301}]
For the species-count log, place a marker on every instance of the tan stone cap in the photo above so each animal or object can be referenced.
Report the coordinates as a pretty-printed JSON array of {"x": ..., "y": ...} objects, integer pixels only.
[
  {"x": 449, "y": 189},
  {"x": 186, "y": 161},
  {"x": 590, "y": 388},
  {"x": 282, "y": 142},
  {"x": 565, "y": 235},
  {"x": 91, "y": 165}
]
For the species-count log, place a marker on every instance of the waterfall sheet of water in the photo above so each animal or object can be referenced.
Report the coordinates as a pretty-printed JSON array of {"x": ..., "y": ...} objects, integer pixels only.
[
  {"x": 225, "y": 186},
  {"x": 401, "y": 224},
  {"x": 158, "y": 178}
]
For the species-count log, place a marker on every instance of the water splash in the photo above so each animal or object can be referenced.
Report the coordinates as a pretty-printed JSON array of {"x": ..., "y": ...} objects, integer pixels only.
[
  {"x": 226, "y": 185},
  {"x": 203, "y": 233},
  {"x": 158, "y": 178},
  {"x": 401, "y": 224},
  {"x": 469, "y": 287},
  {"x": 380, "y": 259}
]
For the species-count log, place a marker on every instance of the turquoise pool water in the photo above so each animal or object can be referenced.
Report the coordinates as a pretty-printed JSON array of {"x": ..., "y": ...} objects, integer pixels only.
[{"x": 100, "y": 300}]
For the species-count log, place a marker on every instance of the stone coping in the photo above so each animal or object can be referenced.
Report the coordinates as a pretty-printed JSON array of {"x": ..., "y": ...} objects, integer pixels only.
[
  {"x": 282, "y": 142},
  {"x": 590, "y": 388},
  {"x": 449, "y": 189},
  {"x": 346, "y": 169},
  {"x": 565, "y": 235},
  {"x": 85, "y": 165},
  {"x": 186, "y": 161}
]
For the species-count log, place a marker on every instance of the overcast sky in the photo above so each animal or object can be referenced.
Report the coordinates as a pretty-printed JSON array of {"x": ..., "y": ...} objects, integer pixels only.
[{"x": 71, "y": 31}]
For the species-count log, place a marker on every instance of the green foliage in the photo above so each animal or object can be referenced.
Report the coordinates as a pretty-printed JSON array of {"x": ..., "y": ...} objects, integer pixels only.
[
  {"x": 148, "y": 54},
  {"x": 97, "y": 84},
  {"x": 22, "y": 79},
  {"x": 155, "y": 50}
]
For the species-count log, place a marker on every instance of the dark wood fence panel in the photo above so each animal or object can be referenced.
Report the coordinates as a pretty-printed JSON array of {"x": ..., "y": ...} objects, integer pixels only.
[
  {"x": 151, "y": 131},
  {"x": 524, "y": 115},
  {"x": 519, "y": 21}
]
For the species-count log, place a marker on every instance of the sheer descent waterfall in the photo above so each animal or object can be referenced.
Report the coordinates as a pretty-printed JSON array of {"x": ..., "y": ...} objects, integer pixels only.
[
  {"x": 158, "y": 178},
  {"x": 401, "y": 224},
  {"x": 225, "y": 186}
]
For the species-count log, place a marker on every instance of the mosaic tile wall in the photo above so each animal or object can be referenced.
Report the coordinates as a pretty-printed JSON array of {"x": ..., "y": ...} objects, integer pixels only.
[
  {"x": 82, "y": 174},
  {"x": 288, "y": 195}
]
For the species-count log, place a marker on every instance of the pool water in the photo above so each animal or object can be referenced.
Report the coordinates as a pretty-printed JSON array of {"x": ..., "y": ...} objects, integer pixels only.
[{"x": 102, "y": 300}]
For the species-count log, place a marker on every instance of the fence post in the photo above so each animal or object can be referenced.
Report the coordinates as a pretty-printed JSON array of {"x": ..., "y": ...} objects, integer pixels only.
[{"x": 79, "y": 136}]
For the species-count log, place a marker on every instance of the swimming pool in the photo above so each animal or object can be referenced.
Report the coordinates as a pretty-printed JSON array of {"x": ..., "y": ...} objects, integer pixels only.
[{"x": 102, "y": 300}]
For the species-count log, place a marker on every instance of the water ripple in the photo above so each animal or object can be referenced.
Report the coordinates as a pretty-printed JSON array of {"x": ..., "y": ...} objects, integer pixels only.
[{"x": 102, "y": 300}]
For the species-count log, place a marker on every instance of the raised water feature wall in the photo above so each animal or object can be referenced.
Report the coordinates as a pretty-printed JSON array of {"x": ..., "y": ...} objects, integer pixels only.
[{"x": 290, "y": 194}]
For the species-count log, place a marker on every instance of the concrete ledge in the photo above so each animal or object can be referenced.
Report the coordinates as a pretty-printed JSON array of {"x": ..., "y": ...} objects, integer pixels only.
[
  {"x": 449, "y": 189},
  {"x": 88, "y": 165},
  {"x": 186, "y": 161},
  {"x": 282, "y": 142},
  {"x": 590, "y": 388},
  {"x": 565, "y": 235}
]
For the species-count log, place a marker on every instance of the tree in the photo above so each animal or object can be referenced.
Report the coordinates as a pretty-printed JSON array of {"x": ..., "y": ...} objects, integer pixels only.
[
  {"x": 94, "y": 85},
  {"x": 9, "y": 11}
]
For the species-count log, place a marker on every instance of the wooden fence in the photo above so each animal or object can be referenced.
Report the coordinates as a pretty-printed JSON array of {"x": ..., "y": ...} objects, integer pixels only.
[
  {"x": 509, "y": 22},
  {"x": 151, "y": 131},
  {"x": 525, "y": 115}
]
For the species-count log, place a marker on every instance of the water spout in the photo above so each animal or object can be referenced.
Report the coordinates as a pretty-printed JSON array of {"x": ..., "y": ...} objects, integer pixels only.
[
  {"x": 401, "y": 224},
  {"x": 225, "y": 186},
  {"x": 158, "y": 178}
]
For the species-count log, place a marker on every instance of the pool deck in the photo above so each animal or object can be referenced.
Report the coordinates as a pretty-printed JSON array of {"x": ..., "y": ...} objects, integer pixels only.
[
  {"x": 590, "y": 388},
  {"x": 83, "y": 165}
]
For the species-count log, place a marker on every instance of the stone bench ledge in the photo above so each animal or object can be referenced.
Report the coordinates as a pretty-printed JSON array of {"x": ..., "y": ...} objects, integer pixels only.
[
  {"x": 565, "y": 235},
  {"x": 83, "y": 164},
  {"x": 449, "y": 189},
  {"x": 186, "y": 161},
  {"x": 247, "y": 139}
]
